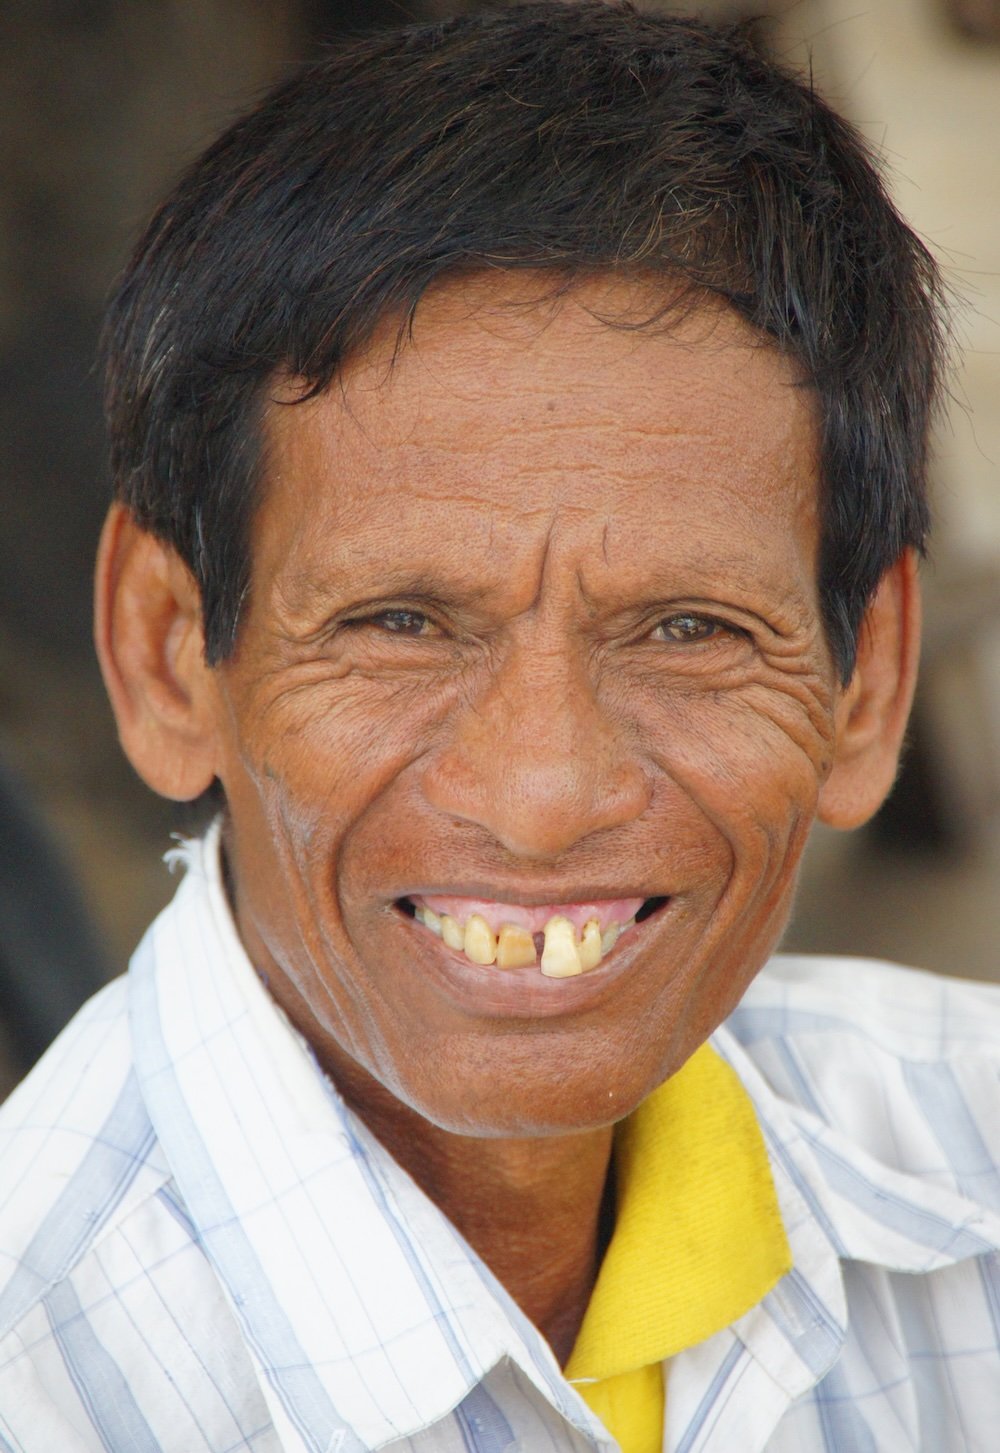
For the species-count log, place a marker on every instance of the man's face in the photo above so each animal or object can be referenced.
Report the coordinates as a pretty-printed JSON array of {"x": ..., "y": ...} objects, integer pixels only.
[{"x": 533, "y": 631}]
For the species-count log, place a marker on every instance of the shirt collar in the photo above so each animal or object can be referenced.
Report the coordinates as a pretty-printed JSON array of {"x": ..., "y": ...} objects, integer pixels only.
[
  {"x": 698, "y": 1237},
  {"x": 869, "y": 1211},
  {"x": 838, "y": 1204}
]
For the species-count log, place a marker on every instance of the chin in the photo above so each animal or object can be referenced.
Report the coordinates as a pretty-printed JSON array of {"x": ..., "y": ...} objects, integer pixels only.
[{"x": 533, "y": 1096}]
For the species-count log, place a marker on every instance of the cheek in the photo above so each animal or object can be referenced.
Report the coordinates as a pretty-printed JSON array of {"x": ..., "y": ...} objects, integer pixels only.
[
  {"x": 317, "y": 757},
  {"x": 751, "y": 766}
]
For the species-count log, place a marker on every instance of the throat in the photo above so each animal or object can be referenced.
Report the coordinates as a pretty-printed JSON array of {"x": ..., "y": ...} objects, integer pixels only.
[
  {"x": 540, "y": 1214},
  {"x": 538, "y": 1210}
]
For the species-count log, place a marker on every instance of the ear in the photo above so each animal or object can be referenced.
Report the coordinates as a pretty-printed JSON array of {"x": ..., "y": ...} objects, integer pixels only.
[
  {"x": 150, "y": 645},
  {"x": 872, "y": 711}
]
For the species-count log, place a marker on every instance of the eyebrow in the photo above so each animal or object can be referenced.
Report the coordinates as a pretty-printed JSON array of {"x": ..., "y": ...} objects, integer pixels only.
[{"x": 341, "y": 588}]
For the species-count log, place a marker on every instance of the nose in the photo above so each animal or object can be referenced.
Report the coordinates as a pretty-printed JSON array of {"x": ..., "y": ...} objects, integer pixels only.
[{"x": 535, "y": 759}]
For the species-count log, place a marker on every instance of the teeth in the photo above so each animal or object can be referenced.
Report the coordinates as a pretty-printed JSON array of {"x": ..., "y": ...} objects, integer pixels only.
[
  {"x": 515, "y": 948},
  {"x": 560, "y": 956},
  {"x": 563, "y": 956},
  {"x": 452, "y": 932},
  {"x": 430, "y": 920},
  {"x": 480, "y": 941},
  {"x": 590, "y": 945}
]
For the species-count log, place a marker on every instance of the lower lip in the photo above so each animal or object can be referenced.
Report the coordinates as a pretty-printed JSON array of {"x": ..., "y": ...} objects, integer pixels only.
[{"x": 485, "y": 990}]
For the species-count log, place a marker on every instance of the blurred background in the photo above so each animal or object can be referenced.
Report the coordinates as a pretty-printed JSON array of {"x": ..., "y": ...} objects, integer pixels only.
[{"x": 103, "y": 103}]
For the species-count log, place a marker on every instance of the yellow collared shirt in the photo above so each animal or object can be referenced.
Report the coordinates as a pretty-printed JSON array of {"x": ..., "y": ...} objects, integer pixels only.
[{"x": 698, "y": 1241}]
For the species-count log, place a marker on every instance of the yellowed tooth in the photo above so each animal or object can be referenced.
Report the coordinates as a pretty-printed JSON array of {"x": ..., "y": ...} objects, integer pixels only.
[
  {"x": 590, "y": 945},
  {"x": 609, "y": 938},
  {"x": 430, "y": 919},
  {"x": 452, "y": 932},
  {"x": 480, "y": 940},
  {"x": 515, "y": 948},
  {"x": 560, "y": 956}
]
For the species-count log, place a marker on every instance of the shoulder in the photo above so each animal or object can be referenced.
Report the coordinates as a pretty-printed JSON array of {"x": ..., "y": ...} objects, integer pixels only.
[
  {"x": 909, "y": 1012},
  {"x": 77, "y": 1152},
  {"x": 903, "y": 1063},
  {"x": 79, "y": 1075}
]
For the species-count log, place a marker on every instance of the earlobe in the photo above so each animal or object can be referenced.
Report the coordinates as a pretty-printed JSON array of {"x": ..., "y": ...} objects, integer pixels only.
[
  {"x": 149, "y": 642},
  {"x": 872, "y": 711}
]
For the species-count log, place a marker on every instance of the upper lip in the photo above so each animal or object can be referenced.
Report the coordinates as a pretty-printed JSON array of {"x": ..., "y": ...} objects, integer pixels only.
[{"x": 492, "y": 892}]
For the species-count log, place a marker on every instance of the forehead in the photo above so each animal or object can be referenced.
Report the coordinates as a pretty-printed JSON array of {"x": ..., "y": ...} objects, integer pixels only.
[{"x": 507, "y": 412}]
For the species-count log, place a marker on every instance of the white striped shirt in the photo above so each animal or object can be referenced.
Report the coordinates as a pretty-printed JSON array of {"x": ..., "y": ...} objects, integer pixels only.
[{"x": 201, "y": 1248}]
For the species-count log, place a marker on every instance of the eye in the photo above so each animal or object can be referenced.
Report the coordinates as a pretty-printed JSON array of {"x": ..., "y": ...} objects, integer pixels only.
[
  {"x": 686, "y": 628},
  {"x": 396, "y": 621}
]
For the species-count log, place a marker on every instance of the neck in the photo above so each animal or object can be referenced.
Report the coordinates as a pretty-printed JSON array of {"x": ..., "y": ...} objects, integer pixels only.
[{"x": 533, "y": 1209}]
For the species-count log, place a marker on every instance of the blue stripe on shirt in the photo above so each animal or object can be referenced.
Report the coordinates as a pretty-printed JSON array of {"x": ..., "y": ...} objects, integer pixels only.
[
  {"x": 94, "y": 1191},
  {"x": 936, "y": 1090},
  {"x": 227, "y": 1244},
  {"x": 97, "y": 1377},
  {"x": 918, "y": 1224}
]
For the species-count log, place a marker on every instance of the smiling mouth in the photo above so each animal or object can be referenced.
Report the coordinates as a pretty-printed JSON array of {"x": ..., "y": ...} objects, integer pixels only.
[{"x": 564, "y": 940}]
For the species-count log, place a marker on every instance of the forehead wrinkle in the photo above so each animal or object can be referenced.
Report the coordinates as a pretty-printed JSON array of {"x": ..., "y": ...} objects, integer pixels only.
[
  {"x": 588, "y": 435},
  {"x": 597, "y": 446}
]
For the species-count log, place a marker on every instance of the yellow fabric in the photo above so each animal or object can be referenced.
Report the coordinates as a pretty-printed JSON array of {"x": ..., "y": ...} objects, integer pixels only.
[{"x": 698, "y": 1241}]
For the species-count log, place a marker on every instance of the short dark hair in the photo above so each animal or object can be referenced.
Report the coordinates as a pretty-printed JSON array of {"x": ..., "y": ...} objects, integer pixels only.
[{"x": 576, "y": 137}]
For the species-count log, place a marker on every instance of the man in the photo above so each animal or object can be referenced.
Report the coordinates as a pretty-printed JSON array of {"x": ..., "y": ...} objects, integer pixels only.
[{"x": 518, "y": 427}]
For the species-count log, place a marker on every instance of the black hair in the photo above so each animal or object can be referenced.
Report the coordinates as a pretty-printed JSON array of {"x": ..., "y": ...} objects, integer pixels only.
[{"x": 576, "y": 137}]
